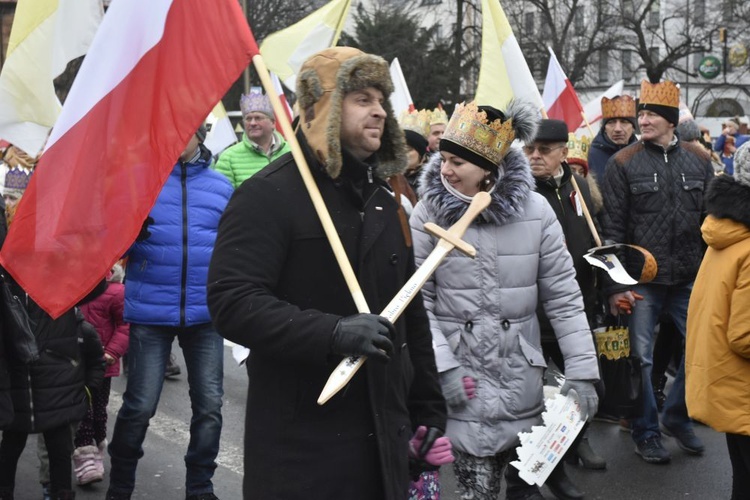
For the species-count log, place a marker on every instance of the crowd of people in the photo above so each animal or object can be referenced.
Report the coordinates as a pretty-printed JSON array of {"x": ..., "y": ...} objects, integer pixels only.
[{"x": 234, "y": 249}]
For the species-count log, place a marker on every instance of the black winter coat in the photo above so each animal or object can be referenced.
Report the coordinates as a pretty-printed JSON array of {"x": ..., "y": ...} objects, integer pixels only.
[
  {"x": 653, "y": 197},
  {"x": 578, "y": 238},
  {"x": 602, "y": 149},
  {"x": 6, "y": 402},
  {"x": 275, "y": 287},
  {"x": 50, "y": 392}
]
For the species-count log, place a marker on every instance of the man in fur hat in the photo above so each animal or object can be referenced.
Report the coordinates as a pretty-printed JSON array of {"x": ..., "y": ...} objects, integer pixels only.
[
  {"x": 275, "y": 287},
  {"x": 261, "y": 143},
  {"x": 617, "y": 132},
  {"x": 653, "y": 197}
]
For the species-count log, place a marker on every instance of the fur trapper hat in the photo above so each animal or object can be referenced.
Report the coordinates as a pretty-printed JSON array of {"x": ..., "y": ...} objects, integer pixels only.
[{"x": 323, "y": 81}]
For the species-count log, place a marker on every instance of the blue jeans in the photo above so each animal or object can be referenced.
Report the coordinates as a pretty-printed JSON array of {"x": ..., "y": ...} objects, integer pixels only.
[
  {"x": 658, "y": 299},
  {"x": 148, "y": 353}
]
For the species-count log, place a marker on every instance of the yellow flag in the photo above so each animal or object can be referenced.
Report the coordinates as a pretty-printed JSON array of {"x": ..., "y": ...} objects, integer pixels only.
[
  {"x": 504, "y": 73},
  {"x": 46, "y": 35},
  {"x": 286, "y": 50}
]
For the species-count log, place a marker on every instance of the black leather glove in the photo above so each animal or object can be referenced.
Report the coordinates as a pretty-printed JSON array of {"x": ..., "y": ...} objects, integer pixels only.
[
  {"x": 363, "y": 335},
  {"x": 145, "y": 233}
]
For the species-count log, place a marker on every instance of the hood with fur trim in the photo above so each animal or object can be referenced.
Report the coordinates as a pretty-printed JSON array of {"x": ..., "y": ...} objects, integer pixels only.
[
  {"x": 323, "y": 81},
  {"x": 508, "y": 195}
]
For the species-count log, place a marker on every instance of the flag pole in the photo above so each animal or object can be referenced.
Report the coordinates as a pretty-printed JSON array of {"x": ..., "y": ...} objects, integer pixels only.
[
  {"x": 312, "y": 187},
  {"x": 586, "y": 213},
  {"x": 588, "y": 125}
]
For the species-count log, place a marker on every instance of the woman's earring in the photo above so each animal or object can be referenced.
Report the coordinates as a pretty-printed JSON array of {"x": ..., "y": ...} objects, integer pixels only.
[{"x": 486, "y": 181}]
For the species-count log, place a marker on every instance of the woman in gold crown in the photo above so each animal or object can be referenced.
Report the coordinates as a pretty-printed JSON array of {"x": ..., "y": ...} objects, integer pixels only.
[{"x": 483, "y": 311}]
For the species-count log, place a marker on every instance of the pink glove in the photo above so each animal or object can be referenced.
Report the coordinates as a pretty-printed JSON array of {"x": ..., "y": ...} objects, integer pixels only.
[
  {"x": 470, "y": 386},
  {"x": 439, "y": 453}
]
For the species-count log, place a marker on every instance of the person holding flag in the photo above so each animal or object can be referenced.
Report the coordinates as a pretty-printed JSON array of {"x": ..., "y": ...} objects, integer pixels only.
[
  {"x": 275, "y": 286},
  {"x": 261, "y": 143}
]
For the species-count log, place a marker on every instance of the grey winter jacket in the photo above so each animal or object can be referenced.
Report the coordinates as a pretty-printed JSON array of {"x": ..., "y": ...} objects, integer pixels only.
[{"x": 483, "y": 311}]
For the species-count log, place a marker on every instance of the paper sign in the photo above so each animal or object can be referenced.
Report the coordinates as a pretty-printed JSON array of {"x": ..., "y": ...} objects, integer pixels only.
[
  {"x": 610, "y": 263},
  {"x": 543, "y": 448}
]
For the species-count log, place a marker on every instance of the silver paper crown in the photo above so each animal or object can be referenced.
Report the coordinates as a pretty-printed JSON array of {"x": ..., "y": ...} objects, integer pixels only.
[{"x": 256, "y": 102}]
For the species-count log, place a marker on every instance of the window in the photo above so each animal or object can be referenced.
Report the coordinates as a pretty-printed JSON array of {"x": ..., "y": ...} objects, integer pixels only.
[
  {"x": 529, "y": 22},
  {"x": 652, "y": 20},
  {"x": 653, "y": 52},
  {"x": 603, "y": 66},
  {"x": 699, "y": 13},
  {"x": 626, "y": 65},
  {"x": 627, "y": 8},
  {"x": 578, "y": 19},
  {"x": 728, "y": 10},
  {"x": 697, "y": 57}
]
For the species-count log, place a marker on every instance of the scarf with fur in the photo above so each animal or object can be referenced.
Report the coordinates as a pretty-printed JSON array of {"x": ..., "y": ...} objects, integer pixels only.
[{"x": 508, "y": 196}]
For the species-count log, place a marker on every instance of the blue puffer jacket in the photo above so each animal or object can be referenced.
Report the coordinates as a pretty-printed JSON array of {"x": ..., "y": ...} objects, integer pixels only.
[{"x": 167, "y": 272}]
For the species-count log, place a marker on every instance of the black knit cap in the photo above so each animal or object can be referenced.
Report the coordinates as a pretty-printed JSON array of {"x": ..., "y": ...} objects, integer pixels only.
[
  {"x": 672, "y": 115},
  {"x": 416, "y": 141},
  {"x": 552, "y": 131},
  {"x": 470, "y": 156}
]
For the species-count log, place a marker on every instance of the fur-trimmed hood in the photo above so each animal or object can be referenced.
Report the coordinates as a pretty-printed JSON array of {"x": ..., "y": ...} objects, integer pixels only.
[
  {"x": 323, "y": 81},
  {"x": 508, "y": 196},
  {"x": 728, "y": 199}
]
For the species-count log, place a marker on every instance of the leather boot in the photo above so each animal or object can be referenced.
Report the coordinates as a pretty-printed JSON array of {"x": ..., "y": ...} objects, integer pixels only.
[
  {"x": 588, "y": 457},
  {"x": 561, "y": 486},
  {"x": 659, "y": 395}
]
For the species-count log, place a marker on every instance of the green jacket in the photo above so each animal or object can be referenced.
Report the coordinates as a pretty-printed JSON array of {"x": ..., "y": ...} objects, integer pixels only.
[{"x": 243, "y": 160}]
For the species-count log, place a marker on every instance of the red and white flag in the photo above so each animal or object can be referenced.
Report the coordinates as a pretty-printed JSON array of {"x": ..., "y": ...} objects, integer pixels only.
[
  {"x": 559, "y": 97},
  {"x": 284, "y": 102},
  {"x": 593, "y": 109},
  {"x": 149, "y": 79}
]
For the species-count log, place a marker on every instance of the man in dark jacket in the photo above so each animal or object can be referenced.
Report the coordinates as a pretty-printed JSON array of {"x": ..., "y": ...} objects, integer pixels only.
[
  {"x": 617, "y": 132},
  {"x": 275, "y": 287},
  {"x": 653, "y": 197},
  {"x": 165, "y": 297},
  {"x": 554, "y": 180}
]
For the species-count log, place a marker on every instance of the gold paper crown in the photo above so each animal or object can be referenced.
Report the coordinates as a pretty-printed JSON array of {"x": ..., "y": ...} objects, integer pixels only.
[
  {"x": 664, "y": 93},
  {"x": 416, "y": 121},
  {"x": 438, "y": 115},
  {"x": 469, "y": 128},
  {"x": 621, "y": 106},
  {"x": 578, "y": 149}
]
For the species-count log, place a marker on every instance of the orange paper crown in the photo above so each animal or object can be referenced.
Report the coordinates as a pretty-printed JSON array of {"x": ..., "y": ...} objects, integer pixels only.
[
  {"x": 469, "y": 128},
  {"x": 438, "y": 115},
  {"x": 621, "y": 106},
  {"x": 416, "y": 121},
  {"x": 664, "y": 93},
  {"x": 578, "y": 149}
]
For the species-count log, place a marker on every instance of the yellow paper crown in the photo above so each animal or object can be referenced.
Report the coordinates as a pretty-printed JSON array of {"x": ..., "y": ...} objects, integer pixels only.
[
  {"x": 438, "y": 115},
  {"x": 416, "y": 121},
  {"x": 578, "y": 149},
  {"x": 664, "y": 93},
  {"x": 621, "y": 106},
  {"x": 468, "y": 127}
]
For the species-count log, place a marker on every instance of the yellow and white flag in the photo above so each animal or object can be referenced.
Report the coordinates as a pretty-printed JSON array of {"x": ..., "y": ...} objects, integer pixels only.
[
  {"x": 220, "y": 134},
  {"x": 504, "y": 73},
  {"x": 284, "y": 51},
  {"x": 46, "y": 35}
]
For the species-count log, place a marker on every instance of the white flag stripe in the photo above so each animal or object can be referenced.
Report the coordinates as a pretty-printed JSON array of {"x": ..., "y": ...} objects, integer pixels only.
[{"x": 129, "y": 36}]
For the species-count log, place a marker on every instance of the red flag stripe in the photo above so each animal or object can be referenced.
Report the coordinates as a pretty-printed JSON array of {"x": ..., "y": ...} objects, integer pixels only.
[{"x": 96, "y": 184}]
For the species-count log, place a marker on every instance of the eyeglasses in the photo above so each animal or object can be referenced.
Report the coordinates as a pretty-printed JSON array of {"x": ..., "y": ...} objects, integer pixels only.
[
  {"x": 543, "y": 149},
  {"x": 256, "y": 118}
]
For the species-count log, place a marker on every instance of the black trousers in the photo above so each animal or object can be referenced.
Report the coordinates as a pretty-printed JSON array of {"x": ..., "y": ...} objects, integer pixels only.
[
  {"x": 59, "y": 448},
  {"x": 739, "y": 454}
]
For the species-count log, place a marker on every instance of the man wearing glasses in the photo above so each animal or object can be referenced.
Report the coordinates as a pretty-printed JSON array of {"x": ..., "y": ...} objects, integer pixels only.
[
  {"x": 547, "y": 156},
  {"x": 261, "y": 143}
]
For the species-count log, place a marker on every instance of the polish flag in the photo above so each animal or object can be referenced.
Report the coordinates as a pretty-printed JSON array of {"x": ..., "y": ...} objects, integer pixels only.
[
  {"x": 154, "y": 71},
  {"x": 284, "y": 102},
  {"x": 593, "y": 109},
  {"x": 559, "y": 97}
]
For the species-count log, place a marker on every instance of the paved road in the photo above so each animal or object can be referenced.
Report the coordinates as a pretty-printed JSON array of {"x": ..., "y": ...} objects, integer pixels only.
[{"x": 161, "y": 471}]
